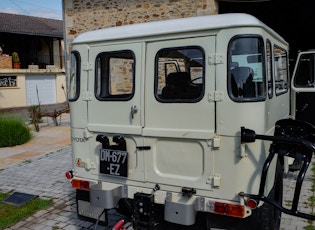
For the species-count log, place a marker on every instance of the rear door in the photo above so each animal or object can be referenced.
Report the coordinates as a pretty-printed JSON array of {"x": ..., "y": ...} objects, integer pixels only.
[
  {"x": 303, "y": 88},
  {"x": 179, "y": 112},
  {"x": 115, "y": 109}
]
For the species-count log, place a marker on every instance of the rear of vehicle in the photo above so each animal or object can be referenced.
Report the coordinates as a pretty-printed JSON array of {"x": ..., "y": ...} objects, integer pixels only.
[{"x": 156, "y": 117}]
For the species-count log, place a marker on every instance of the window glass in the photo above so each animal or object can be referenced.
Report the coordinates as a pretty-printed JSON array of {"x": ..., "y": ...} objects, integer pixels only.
[
  {"x": 180, "y": 74},
  {"x": 246, "y": 81},
  {"x": 74, "y": 86},
  {"x": 281, "y": 70},
  {"x": 115, "y": 75},
  {"x": 269, "y": 69},
  {"x": 304, "y": 75}
]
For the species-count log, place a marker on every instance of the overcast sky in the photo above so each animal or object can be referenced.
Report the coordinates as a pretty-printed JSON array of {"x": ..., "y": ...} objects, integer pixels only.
[{"x": 38, "y": 8}]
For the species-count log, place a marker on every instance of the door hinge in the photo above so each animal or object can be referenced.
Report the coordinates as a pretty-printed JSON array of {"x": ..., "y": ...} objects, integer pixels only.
[
  {"x": 87, "y": 66},
  {"x": 215, "y": 180},
  {"x": 215, "y": 59},
  {"x": 86, "y": 96},
  {"x": 216, "y": 96},
  {"x": 216, "y": 142}
]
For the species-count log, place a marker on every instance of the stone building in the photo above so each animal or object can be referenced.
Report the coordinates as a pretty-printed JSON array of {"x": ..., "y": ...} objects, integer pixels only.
[
  {"x": 290, "y": 18},
  {"x": 38, "y": 75},
  {"x": 85, "y": 15}
]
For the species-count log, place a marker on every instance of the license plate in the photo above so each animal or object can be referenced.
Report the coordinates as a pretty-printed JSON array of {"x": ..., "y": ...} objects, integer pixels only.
[{"x": 114, "y": 162}]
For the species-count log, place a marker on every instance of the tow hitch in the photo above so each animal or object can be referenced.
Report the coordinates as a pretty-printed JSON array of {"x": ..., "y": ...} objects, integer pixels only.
[{"x": 294, "y": 139}]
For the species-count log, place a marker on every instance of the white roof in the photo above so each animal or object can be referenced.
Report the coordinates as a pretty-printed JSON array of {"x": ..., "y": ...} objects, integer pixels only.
[{"x": 173, "y": 26}]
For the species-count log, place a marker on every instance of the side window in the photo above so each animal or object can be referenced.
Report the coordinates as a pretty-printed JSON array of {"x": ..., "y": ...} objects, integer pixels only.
[
  {"x": 74, "y": 81},
  {"x": 269, "y": 69},
  {"x": 281, "y": 70},
  {"x": 246, "y": 72},
  {"x": 305, "y": 71},
  {"x": 115, "y": 74},
  {"x": 179, "y": 74}
]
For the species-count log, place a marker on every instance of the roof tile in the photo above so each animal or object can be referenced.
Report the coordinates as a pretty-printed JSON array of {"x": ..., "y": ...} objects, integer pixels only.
[{"x": 21, "y": 24}]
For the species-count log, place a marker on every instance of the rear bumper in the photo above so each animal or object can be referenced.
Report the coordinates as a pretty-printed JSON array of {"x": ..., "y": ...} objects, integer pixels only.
[{"x": 178, "y": 208}]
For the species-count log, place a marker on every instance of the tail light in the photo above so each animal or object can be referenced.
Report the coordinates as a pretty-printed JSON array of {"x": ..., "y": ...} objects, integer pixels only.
[
  {"x": 251, "y": 203},
  {"x": 80, "y": 184},
  {"x": 69, "y": 175},
  {"x": 229, "y": 209}
]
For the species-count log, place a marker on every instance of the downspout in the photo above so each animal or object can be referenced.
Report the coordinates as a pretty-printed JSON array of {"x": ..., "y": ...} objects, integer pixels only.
[{"x": 60, "y": 54}]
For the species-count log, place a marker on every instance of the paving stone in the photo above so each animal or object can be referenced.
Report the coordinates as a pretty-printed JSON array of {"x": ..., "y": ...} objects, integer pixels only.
[
  {"x": 40, "y": 213},
  {"x": 44, "y": 175}
]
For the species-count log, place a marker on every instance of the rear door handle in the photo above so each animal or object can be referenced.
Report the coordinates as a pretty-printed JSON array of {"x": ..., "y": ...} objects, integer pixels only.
[{"x": 134, "y": 110}]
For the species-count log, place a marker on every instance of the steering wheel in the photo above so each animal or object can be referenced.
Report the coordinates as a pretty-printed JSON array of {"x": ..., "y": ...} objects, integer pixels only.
[{"x": 198, "y": 78}]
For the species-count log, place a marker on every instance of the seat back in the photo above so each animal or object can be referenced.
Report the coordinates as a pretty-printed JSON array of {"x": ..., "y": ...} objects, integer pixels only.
[{"x": 242, "y": 82}]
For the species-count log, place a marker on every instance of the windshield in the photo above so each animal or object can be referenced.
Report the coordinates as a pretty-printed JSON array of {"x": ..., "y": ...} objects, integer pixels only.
[{"x": 304, "y": 75}]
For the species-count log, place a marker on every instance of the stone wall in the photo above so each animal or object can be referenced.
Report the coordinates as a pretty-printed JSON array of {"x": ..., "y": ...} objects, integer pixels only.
[
  {"x": 5, "y": 62},
  {"x": 85, "y": 15}
]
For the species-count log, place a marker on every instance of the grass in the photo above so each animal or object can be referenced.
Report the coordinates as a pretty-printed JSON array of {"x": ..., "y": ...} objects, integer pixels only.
[
  {"x": 13, "y": 132},
  {"x": 288, "y": 203},
  {"x": 309, "y": 227},
  {"x": 10, "y": 215}
]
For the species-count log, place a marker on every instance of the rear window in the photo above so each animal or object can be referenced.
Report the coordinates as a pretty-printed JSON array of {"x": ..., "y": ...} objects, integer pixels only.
[
  {"x": 281, "y": 75},
  {"x": 74, "y": 83},
  {"x": 115, "y": 73},
  {"x": 269, "y": 69},
  {"x": 179, "y": 74}
]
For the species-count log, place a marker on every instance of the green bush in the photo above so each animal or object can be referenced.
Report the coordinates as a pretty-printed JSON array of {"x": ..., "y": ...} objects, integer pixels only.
[{"x": 13, "y": 132}]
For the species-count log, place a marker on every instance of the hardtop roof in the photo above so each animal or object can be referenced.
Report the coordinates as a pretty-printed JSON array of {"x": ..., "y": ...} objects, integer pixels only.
[{"x": 172, "y": 26}]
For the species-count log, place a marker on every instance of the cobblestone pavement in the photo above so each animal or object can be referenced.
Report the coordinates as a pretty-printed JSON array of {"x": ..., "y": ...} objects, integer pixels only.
[
  {"x": 306, "y": 198},
  {"x": 44, "y": 176}
]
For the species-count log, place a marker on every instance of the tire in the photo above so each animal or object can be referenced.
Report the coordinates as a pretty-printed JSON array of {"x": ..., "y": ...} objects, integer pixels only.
[{"x": 267, "y": 216}]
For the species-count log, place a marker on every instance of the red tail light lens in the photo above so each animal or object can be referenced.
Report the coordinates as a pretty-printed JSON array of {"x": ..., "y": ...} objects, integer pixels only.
[
  {"x": 229, "y": 209},
  {"x": 69, "y": 175},
  {"x": 80, "y": 184},
  {"x": 252, "y": 204}
]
